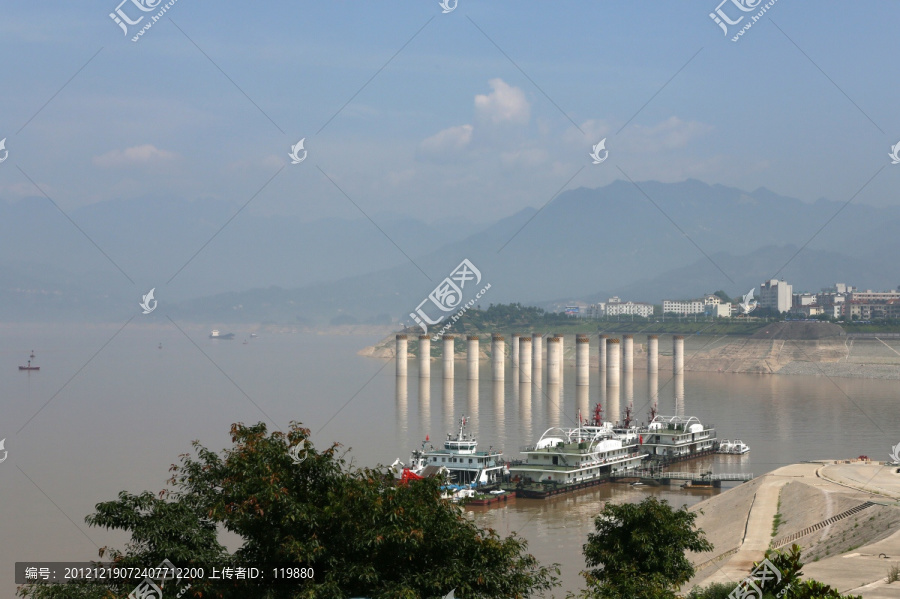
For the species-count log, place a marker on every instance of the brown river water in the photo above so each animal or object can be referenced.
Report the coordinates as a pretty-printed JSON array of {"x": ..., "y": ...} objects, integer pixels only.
[{"x": 110, "y": 411}]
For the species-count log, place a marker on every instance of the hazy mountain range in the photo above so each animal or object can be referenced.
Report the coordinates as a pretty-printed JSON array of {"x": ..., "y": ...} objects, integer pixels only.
[{"x": 645, "y": 243}]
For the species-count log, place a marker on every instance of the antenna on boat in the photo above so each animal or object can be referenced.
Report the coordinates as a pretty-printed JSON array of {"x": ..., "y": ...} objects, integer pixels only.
[{"x": 598, "y": 415}]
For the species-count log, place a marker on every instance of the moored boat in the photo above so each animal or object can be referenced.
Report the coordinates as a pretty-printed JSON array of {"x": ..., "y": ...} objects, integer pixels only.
[
  {"x": 464, "y": 468},
  {"x": 29, "y": 366},
  {"x": 676, "y": 438},
  {"x": 737, "y": 447},
  {"x": 565, "y": 459}
]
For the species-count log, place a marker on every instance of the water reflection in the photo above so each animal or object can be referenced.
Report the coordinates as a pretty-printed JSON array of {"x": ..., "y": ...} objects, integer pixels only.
[
  {"x": 554, "y": 405},
  {"x": 401, "y": 403},
  {"x": 472, "y": 408},
  {"x": 678, "y": 379},
  {"x": 499, "y": 397},
  {"x": 629, "y": 391},
  {"x": 612, "y": 401},
  {"x": 424, "y": 406},
  {"x": 582, "y": 400},
  {"x": 449, "y": 415},
  {"x": 525, "y": 409}
]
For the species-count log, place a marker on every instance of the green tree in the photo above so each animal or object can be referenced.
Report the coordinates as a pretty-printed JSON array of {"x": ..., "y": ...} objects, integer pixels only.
[
  {"x": 789, "y": 586},
  {"x": 723, "y": 296},
  {"x": 362, "y": 535},
  {"x": 638, "y": 550},
  {"x": 790, "y": 566}
]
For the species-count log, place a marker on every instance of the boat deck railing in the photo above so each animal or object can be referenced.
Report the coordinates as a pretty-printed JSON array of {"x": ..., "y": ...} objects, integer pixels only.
[{"x": 578, "y": 466}]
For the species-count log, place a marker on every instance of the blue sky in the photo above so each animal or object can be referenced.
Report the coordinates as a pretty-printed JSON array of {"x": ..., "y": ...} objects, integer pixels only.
[{"x": 804, "y": 104}]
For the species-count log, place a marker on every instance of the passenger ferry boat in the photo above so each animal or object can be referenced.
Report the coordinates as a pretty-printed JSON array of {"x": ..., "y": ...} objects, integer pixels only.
[
  {"x": 565, "y": 459},
  {"x": 465, "y": 467},
  {"x": 677, "y": 438}
]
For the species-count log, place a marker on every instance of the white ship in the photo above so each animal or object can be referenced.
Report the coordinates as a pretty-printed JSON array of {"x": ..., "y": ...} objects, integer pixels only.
[
  {"x": 675, "y": 438},
  {"x": 574, "y": 456},
  {"x": 464, "y": 467},
  {"x": 737, "y": 447}
]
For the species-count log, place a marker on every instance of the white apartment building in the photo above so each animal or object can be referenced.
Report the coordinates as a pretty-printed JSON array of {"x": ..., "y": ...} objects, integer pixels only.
[
  {"x": 868, "y": 296},
  {"x": 629, "y": 308},
  {"x": 721, "y": 310},
  {"x": 697, "y": 306},
  {"x": 804, "y": 299},
  {"x": 616, "y": 307},
  {"x": 776, "y": 295}
]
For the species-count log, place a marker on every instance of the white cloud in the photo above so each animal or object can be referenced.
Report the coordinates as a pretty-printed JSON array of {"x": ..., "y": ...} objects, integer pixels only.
[
  {"x": 26, "y": 189},
  {"x": 528, "y": 157},
  {"x": 506, "y": 104},
  {"x": 594, "y": 130},
  {"x": 670, "y": 134},
  {"x": 136, "y": 155},
  {"x": 452, "y": 139}
]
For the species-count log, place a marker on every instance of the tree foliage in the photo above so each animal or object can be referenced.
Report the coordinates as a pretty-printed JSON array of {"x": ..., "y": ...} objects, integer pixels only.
[
  {"x": 638, "y": 550},
  {"x": 789, "y": 586},
  {"x": 723, "y": 296},
  {"x": 362, "y": 535}
]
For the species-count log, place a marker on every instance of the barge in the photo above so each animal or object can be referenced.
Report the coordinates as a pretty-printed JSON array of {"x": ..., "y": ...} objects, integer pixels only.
[{"x": 568, "y": 459}]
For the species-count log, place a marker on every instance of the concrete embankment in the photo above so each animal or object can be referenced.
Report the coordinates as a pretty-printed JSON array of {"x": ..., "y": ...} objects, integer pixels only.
[{"x": 844, "y": 514}]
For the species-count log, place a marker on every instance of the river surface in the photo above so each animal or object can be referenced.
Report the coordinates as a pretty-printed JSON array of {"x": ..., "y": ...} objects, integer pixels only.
[{"x": 110, "y": 410}]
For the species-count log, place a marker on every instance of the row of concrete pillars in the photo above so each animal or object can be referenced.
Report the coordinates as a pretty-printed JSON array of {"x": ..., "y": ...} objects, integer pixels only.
[{"x": 528, "y": 353}]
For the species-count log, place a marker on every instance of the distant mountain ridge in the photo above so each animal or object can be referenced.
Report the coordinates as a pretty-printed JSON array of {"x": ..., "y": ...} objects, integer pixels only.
[{"x": 586, "y": 244}]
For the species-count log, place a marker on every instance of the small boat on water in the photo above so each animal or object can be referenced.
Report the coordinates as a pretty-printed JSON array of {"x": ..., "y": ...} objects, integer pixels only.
[
  {"x": 29, "y": 366},
  {"x": 736, "y": 447},
  {"x": 215, "y": 334}
]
